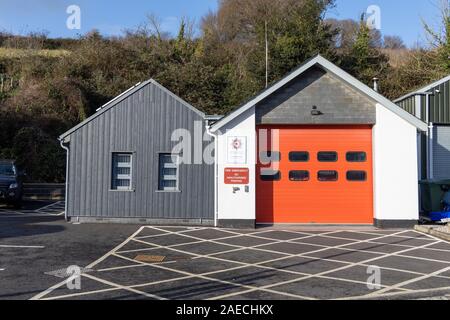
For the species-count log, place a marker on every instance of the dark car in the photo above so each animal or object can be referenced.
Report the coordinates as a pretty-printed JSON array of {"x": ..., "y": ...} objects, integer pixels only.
[{"x": 11, "y": 183}]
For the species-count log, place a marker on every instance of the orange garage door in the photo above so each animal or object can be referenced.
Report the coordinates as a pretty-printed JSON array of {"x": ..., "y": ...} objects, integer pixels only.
[{"x": 314, "y": 175}]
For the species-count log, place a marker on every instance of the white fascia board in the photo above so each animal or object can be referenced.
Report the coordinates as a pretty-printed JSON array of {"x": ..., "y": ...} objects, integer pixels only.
[
  {"x": 419, "y": 124},
  {"x": 122, "y": 97},
  {"x": 105, "y": 108},
  {"x": 324, "y": 63},
  {"x": 262, "y": 96},
  {"x": 173, "y": 95},
  {"x": 424, "y": 90}
]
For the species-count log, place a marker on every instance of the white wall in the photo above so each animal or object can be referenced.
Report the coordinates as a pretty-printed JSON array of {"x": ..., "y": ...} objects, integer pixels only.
[
  {"x": 239, "y": 205},
  {"x": 395, "y": 167}
]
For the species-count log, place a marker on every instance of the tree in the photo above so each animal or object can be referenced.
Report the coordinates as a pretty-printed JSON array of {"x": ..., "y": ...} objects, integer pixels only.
[
  {"x": 299, "y": 36},
  {"x": 363, "y": 60},
  {"x": 393, "y": 42},
  {"x": 345, "y": 32},
  {"x": 440, "y": 39}
]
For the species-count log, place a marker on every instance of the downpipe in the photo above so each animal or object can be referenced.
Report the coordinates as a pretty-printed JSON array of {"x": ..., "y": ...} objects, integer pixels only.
[
  {"x": 216, "y": 171},
  {"x": 61, "y": 142}
]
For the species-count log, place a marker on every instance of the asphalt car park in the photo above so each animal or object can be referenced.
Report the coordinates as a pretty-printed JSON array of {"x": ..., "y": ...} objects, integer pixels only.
[
  {"x": 36, "y": 240},
  {"x": 152, "y": 262}
]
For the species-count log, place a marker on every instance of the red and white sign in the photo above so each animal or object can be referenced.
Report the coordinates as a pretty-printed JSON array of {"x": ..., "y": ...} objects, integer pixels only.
[
  {"x": 237, "y": 175},
  {"x": 237, "y": 150}
]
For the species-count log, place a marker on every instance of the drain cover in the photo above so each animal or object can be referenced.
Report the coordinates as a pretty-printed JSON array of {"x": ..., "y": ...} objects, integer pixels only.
[{"x": 148, "y": 258}]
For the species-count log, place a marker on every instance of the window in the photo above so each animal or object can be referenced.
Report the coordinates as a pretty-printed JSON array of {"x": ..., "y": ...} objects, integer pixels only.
[
  {"x": 269, "y": 156},
  {"x": 327, "y": 176},
  {"x": 7, "y": 169},
  {"x": 270, "y": 175},
  {"x": 299, "y": 156},
  {"x": 168, "y": 172},
  {"x": 327, "y": 156},
  {"x": 299, "y": 175},
  {"x": 122, "y": 171},
  {"x": 356, "y": 176},
  {"x": 356, "y": 156}
]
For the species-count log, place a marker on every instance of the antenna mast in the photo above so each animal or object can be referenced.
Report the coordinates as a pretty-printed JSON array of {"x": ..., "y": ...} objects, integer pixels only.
[{"x": 267, "y": 56}]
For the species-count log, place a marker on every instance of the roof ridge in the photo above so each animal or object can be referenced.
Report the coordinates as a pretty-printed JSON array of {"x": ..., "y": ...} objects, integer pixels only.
[{"x": 339, "y": 72}]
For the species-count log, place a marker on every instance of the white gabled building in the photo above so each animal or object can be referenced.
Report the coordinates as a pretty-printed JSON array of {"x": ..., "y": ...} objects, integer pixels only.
[{"x": 317, "y": 147}]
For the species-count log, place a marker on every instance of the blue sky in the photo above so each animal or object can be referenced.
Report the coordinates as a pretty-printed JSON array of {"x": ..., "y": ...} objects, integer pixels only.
[
  {"x": 401, "y": 17},
  {"x": 398, "y": 17}
]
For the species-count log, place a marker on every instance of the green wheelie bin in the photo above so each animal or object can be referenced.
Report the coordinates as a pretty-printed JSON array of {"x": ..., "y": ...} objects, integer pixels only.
[{"x": 431, "y": 193}]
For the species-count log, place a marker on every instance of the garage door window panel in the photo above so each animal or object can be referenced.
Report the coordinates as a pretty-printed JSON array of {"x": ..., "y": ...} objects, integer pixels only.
[
  {"x": 299, "y": 175},
  {"x": 357, "y": 156},
  {"x": 299, "y": 156},
  {"x": 328, "y": 176},
  {"x": 327, "y": 156},
  {"x": 357, "y": 176}
]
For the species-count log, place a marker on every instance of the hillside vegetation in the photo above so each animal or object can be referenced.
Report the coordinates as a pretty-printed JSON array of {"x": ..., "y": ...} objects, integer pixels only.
[{"x": 49, "y": 85}]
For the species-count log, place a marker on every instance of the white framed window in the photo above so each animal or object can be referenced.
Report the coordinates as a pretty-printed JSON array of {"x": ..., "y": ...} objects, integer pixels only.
[
  {"x": 122, "y": 170},
  {"x": 168, "y": 172}
]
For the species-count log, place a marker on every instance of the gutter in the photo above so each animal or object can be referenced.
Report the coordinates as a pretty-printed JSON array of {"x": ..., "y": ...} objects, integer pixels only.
[
  {"x": 61, "y": 142},
  {"x": 413, "y": 94},
  {"x": 216, "y": 174}
]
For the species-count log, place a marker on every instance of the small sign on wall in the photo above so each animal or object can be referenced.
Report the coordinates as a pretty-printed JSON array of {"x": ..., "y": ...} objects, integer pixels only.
[
  {"x": 237, "y": 176},
  {"x": 237, "y": 150}
]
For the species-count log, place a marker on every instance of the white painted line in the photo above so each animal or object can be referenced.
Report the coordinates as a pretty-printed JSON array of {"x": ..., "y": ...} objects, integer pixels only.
[
  {"x": 114, "y": 286},
  {"x": 44, "y": 293},
  {"x": 243, "y": 264},
  {"x": 405, "y": 283},
  {"x": 90, "y": 266},
  {"x": 422, "y": 237},
  {"x": 24, "y": 215},
  {"x": 136, "y": 265},
  {"x": 82, "y": 294},
  {"x": 52, "y": 288},
  {"x": 304, "y": 276},
  {"x": 393, "y": 294},
  {"x": 319, "y": 274},
  {"x": 2, "y": 269},
  {"x": 125, "y": 287},
  {"x": 250, "y": 287},
  {"x": 48, "y": 206},
  {"x": 273, "y": 241},
  {"x": 257, "y": 247},
  {"x": 424, "y": 259},
  {"x": 12, "y": 213},
  {"x": 25, "y": 247}
]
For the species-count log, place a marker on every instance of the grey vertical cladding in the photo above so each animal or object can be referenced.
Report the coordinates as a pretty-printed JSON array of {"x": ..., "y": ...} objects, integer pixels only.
[
  {"x": 441, "y": 152},
  {"x": 440, "y": 104},
  {"x": 337, "y": 102},
  {"x": 409, "y": 104},
  {"x": 143, "y": 124}
]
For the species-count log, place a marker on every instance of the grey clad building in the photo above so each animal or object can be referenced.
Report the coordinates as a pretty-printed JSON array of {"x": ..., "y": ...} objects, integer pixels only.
[
  {"x": 120, "y": 166},
  {"x": 431, "y": 104}
]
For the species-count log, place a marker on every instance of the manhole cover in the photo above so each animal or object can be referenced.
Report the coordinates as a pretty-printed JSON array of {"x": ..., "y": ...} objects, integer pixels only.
[{"x": 148, "y": 258}]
